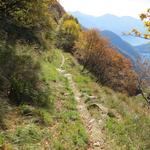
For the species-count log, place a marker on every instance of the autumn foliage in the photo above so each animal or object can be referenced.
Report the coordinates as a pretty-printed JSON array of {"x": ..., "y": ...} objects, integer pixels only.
[
  {"x": 145, "y": 18},
  {"x": 109, "y": 67}
]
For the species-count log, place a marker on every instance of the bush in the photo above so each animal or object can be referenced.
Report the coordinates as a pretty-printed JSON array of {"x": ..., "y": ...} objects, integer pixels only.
[
  {"x": 108, "y": 66},
  {"x": 20, "y": 71},
  {"x": 67, "y": 33}
]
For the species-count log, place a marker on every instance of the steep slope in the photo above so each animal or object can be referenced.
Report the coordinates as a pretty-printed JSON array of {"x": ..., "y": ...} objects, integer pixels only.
[
  {"x": 72, "y": 111},
  {"x": 32, "y": 127},
  {"x": 42, "y": 107},
  {"x": 123, "y": 47},
  {"x": 114, "y": 24},
  {"x": 108, "y": 121},
  {"x": 127, "y": 117}
]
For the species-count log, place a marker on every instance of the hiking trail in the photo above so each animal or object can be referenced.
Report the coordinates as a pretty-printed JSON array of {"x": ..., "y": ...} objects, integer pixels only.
[{"x": 95, "y": 128}]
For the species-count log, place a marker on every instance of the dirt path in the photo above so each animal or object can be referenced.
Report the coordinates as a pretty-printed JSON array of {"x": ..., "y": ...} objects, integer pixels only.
[{"x": 94, "y": 127}]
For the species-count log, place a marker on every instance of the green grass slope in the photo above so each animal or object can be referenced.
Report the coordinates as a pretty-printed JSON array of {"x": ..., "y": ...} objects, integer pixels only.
[
  {"x": 58, "y": 127},
  {"x": 128, "y": 124},
  {"x": 27, "y": 127}
]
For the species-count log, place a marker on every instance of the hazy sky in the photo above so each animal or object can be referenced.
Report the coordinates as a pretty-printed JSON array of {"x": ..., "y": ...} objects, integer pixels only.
[{"x": 100, "y": 7}]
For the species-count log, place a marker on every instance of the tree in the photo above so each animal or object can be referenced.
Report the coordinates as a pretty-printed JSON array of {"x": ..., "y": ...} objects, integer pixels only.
[
  {"x": 145, "y": 18},
  {"x": 143, "y": 65},
  {"x": 67, "y": 33},
  {"x": 120, "y": 74},
  {"x": 90, "y": 46},
  {"x": 109, "y": 67},
  {"x": 143, "y": 78}
]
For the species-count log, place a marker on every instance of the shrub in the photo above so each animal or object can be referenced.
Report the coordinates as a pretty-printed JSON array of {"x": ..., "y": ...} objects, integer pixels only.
[
  {"x": 67, "y": 33},
  {"x": 20, "y": 72},
  {"x": 109, "y": 67}
]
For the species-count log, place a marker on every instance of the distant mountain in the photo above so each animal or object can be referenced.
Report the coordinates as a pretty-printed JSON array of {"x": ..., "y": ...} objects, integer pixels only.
[
  {"x": 122, "y": 46},
  {"x": 114, "y": 24},
  {"x": 145, "y": 48}
]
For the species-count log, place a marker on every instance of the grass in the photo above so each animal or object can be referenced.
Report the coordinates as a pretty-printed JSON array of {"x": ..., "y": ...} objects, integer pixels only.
[
  {"x": 131, "y": 134},
  {"x": 58, "y": 127},
  {"x": 70, "y": 133},
  {"x": 130, "y": 131}
]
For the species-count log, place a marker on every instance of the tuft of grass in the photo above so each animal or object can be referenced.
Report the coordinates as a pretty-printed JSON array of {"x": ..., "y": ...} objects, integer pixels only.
[
  {"x": 71, "y": 136},
  {"x": 1, "y": 139},
  {"x": 41, "y": 116},
  {"x": 130, "y": 134},
  {"x": 4, "y": 107},
  {"x": 26, "y": 134},
  {"x": 26, "y": 110},
  {"x": 44, "y": 117}
]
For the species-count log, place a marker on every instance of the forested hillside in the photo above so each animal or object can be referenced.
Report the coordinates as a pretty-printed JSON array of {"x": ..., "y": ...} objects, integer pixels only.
[{"x": 64, "y": 87}]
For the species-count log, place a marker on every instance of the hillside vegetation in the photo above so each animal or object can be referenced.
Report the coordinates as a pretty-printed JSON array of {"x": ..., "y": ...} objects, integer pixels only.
[
  {"x": 38, "y": 105},
  {"x": 127, "y": 122}
]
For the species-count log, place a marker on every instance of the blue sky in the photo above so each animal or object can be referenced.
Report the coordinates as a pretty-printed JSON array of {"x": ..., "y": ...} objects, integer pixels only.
[{"x": 99, "y": 7}]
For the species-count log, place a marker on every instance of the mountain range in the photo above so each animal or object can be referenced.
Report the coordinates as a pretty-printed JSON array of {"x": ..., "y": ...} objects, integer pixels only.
[
  {"x": 122, "y": 46},
  {"x": 145, "y": 48},
  {"x": 111, "y": 27},
  {"x": 113, "y": 23}
]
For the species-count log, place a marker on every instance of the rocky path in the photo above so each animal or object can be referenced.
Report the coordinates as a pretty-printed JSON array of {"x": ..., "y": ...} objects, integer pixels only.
[{"x": 94, "y": 128}]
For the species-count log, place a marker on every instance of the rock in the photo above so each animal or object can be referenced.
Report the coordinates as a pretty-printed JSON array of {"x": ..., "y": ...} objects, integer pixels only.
[
  {"x": 100, "y": 122},
  {"x": 97, "y": 144},
  {"x": 92, "y": 120},
  {"x": 111, "y": 114},
  {"x": 92, "y": 97}
]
